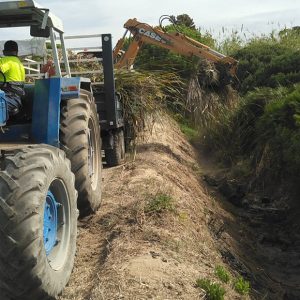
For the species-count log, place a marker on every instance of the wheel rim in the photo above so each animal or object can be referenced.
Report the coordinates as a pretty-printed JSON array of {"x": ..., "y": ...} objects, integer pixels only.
[
  {"x": 93, "y": 157},
  {"x": 50, "y": 222},
  {"x": 56, "y": 228}
]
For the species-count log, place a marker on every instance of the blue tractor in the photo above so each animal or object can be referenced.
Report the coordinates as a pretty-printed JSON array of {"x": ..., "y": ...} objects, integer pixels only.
[{"x": 50, "y": 169}]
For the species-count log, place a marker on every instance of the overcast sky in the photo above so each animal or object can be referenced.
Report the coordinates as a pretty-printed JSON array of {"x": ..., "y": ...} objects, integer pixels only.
[{"x": 108, "y": 16}]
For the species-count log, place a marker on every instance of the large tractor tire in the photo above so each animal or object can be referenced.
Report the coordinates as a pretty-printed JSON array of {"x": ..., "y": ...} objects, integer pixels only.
[
  {"x": 80, "y": 137},
  {"x": 116, "y": 155},
  {"x": 38, "y": 223}
]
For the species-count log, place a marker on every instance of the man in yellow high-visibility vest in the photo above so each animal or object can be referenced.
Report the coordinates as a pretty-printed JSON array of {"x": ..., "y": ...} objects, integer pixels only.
[{"x": 12, "y": 77}]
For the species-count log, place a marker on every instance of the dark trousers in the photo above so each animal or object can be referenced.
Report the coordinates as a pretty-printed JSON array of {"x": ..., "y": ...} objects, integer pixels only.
[
  {"x": 13, "y": 103},
  {"x": 13, "y": 92}
]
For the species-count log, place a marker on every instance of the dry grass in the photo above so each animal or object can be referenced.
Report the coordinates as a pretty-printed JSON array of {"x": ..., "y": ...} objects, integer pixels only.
[
  {"x": 206, "y": 103},
  {"x": 126, "y": 252}
]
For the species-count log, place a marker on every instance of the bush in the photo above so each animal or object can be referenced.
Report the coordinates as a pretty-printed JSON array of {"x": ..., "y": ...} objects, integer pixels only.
[
  {"x": 279, "y": 130},
  {"x": 264, "y": 130},
  {"x": 269, "y": 61}
]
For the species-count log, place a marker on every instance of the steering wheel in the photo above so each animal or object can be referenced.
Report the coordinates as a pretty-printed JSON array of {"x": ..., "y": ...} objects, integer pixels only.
[{"x": 2, "y": 84}]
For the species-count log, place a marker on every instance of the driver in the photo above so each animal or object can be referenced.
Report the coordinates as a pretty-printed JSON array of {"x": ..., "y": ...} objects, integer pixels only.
[{"x": 12, "y": 76}]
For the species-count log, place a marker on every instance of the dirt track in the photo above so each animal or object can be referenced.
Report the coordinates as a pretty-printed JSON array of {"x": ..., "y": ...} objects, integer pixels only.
[{"x": 125, "y": 252}]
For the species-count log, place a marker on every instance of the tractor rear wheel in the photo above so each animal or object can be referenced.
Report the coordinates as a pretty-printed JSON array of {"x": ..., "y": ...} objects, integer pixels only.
[
  {"x": 38, "y": 222},
  {"x": 116, "y": 155},
  {"x": 80, "y": 136}
]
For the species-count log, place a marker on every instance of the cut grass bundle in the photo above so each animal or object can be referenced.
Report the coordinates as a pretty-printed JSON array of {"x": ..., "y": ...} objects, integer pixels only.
[
  {"x": 206, "y": 103},
  {"x": 146, "y": 94}
]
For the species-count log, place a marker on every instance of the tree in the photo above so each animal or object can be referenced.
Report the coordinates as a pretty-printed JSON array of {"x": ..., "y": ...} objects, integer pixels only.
[{"x": 184, "y": 19}]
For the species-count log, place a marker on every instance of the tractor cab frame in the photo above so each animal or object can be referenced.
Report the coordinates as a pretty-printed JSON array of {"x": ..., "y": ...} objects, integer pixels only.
[
  {"x": 42, "y": 23},
  {"x": 41, "y": 104}
]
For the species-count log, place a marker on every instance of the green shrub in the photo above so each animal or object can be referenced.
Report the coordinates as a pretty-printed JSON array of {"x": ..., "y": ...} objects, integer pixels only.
[
  {"x": 263, "y": 130},
  {"x": 269, "y": 61},
  {"x": 214, "y": 291},
  {"x": 279, "y": 130},
  {"x": 242, "y": 286},
  {"x": 222, "y": 274}
]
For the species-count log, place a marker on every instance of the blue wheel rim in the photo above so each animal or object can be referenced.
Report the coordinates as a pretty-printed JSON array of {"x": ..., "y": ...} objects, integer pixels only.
[
  {"x": 50, "y": 222},
  {"x": 57, "y": 230}
]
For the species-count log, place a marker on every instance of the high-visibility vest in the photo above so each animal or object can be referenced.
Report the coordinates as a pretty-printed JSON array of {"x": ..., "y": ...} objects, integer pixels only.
[{"x": 12, "y": 68}]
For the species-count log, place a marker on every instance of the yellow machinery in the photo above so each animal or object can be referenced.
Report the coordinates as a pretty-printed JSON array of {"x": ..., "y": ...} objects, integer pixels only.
[{"x": 175, "y": 41}]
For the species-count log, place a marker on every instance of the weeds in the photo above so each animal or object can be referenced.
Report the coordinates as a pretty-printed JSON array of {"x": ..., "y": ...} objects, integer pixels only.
[
  {"x": 188, "y": 131},
  {"x": 186, "y": 127},
  {"x": 222, "y": 274},
  {"x": 214, "y": 291},
  {"x": 242, "y": 286},
  {"x": 160, "y": 203}
]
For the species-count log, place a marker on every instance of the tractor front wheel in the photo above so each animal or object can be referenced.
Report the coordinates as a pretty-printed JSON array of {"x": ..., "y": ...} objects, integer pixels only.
[{"x": 38, "y": 222}]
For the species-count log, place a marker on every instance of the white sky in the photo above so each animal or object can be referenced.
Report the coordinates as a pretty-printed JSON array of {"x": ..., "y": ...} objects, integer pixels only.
[{"x": 108, "y": 16}]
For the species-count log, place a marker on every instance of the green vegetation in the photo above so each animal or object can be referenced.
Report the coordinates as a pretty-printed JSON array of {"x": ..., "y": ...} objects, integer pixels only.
[
  {"x": 242, "y": 286},
  {"x": 185, "y": 20},
  {"x": 186, "y": 127},
  {"x": 222, "y": 274},
  {"x": 190, "y": 132},
  {"x": 267, "y": 63},
  {"x": 159, "y": 203},
  {"x": 256, "y": 134},
  {"x": 214, "y": 291},
  {"x": 263, "y": 132},
  {"x": 260, "y": 137}
]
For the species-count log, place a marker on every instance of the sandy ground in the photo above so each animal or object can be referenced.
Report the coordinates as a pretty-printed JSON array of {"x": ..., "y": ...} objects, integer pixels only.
[{"x": 127, "y": 251}]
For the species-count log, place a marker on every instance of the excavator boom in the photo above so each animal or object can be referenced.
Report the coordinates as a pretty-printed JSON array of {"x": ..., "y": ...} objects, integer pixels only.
[{"x": 174, "y": 41}]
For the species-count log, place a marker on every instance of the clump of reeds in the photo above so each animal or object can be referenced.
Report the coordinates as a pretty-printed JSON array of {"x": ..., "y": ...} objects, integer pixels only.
[{"x": 207, "y": 99}]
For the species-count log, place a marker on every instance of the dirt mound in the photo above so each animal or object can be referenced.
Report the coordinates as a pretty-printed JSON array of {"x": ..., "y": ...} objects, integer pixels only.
[{"x": 150, "y": 239}]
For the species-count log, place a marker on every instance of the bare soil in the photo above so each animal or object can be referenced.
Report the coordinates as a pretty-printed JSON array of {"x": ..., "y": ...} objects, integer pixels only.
[{"x": 126, "y": 251}]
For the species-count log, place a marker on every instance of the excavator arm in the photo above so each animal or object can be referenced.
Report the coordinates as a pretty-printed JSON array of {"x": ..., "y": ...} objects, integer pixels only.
[{"x": 174, "y": 41}]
